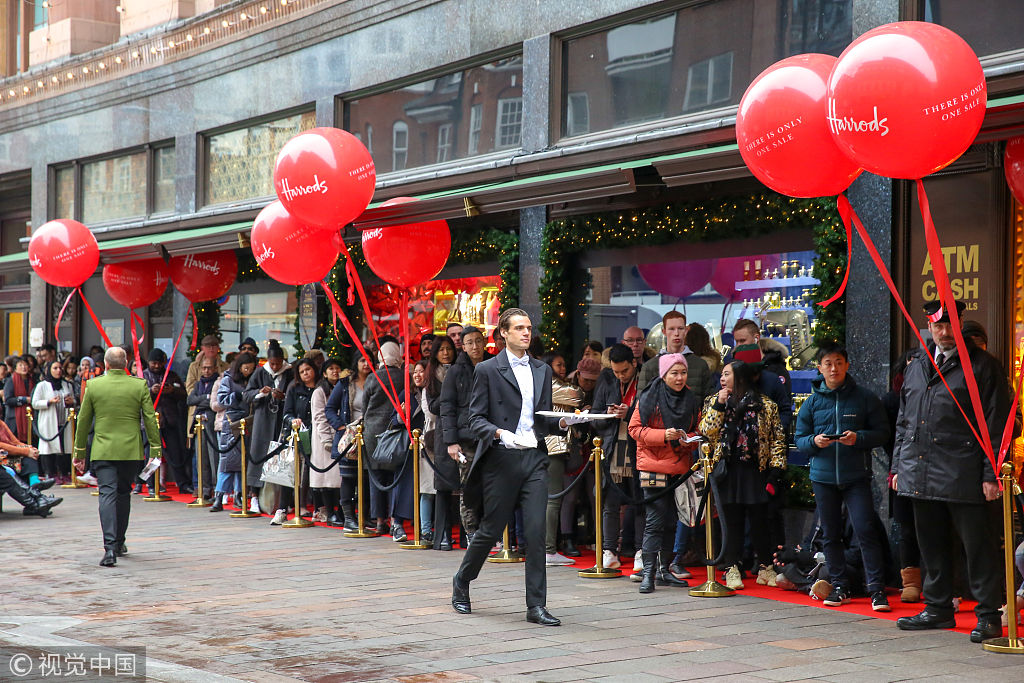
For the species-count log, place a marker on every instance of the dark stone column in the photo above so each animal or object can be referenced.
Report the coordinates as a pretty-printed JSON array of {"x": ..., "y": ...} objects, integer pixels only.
[{"x": 531, "y": 229}]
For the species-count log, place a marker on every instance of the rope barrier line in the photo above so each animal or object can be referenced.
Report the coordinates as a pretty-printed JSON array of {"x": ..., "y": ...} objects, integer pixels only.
[{"x": 60, "y": 430}]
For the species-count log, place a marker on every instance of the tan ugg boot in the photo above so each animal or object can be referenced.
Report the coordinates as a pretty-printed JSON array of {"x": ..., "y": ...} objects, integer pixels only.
[{"x": 911, "y": 584}]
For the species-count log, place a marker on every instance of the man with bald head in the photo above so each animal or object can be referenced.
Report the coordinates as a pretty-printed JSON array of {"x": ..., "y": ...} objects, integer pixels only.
[
  {"x": 634, "y": 338},
  {"x": 113, "y": 405}
]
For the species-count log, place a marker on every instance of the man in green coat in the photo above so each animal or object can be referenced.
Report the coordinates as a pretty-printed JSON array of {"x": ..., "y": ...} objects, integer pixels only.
[{"x": 113, "y": 405}]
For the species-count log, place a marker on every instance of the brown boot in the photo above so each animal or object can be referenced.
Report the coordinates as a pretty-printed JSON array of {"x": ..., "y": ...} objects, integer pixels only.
[{"x": 911, "y": 584}]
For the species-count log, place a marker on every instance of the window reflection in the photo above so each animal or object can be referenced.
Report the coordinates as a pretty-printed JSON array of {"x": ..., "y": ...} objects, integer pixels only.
[
  {"x": 695, "y": 59},
  {"x": 114, "y": 188},
  {"x": 458, "y": 115},
  {"x": 975, "y": 22}
]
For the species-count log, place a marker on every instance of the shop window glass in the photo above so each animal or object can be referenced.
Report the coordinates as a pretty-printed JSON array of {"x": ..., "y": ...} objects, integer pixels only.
[
  {"x": 260, "y": 316},
  {"x": 772, "y": 289},
  {"x": 11, "y": 232},
  {"x": 976, "y": 22},
  {"x": 688, "y": 61},
  {"x": 455, "y": 102},
  {"x": 64, "y": 192},
  {"x": 240, "y": 163},
  {"x": 369, "y": 139},
  {"x": 163, "y": 179},
  {"x": 510, "y": 122},
  {"x": 114, "y": 188}
]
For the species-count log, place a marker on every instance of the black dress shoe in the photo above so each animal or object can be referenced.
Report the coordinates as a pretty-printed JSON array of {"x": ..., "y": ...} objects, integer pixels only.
[
  {"x": 109, "y": 559},
  {"x": 569, "y": 549},
  {"x": 42, "y": 506},
  {"x": 121, "y": 550},
  {"x": 540, "y": 615},
  {"x": 925, "y": 620},
  {"x": 986, "y": 628},
  {"x": 43, "y": 484},
  {"x": 186, "y": 491},
  {"x": 460, "y": 597},
  {"x": 218, "y": 505},
  {"x": 445, "y": 545}
]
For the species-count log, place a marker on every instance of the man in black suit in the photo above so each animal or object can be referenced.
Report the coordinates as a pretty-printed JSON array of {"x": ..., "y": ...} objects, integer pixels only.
[{"x": 511, "y": 462}]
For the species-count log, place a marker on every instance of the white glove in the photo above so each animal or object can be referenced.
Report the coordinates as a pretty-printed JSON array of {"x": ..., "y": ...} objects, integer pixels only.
[
  {"x": 574, "y": 419},
  {"x": 507, "y": 438}
]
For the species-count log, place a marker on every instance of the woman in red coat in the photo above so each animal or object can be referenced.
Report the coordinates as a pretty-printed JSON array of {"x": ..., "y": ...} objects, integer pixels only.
[{"x": 667, "y": 412}]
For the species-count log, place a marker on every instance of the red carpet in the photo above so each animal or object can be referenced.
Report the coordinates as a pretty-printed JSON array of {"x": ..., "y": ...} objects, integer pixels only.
[{"x": 965, "y": 619}]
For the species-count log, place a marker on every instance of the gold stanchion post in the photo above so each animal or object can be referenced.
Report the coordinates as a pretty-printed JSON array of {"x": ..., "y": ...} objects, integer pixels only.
[
  {"x": 710, "y": 588},
  {"x": 154, "y": 492},
  {"x": 361, "y": 532},
  {"x": 31, "y": 417},
  {"x": 598, "y": 571},
  {"x": 506, "y": 554},
  {"x": 416, "y": 543},
  {"x": 244, "y": 512},
  {"x": 297, "y": 522},
  {"x": 75, "y": 484},
  {"x": 1011, "y": 645},
  {"x": 200, "y": 501}
]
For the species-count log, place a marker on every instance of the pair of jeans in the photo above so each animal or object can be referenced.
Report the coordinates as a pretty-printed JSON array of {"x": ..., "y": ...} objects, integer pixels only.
[{"x": 860, "y": 509}]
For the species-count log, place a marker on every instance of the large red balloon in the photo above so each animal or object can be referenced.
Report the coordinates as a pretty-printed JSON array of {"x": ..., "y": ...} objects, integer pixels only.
[
  {"x": 783, "y": 133},
  {"x": 324, "y": 177},
  {"x": 906, "y": 99},
  {"x": 64, "y": 253},
  {"x": 136, "y": 283},
  {"x": 204, "y": 277},
  {"x": 290, "y": 251},
  {"x": 677, "y": 278},
  {"x": 410, "y": 254},
  {"x": 1013, "y": 167}
]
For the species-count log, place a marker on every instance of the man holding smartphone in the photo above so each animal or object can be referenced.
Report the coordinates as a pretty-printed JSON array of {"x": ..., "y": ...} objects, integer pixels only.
[{"x": 837, "y": 427}]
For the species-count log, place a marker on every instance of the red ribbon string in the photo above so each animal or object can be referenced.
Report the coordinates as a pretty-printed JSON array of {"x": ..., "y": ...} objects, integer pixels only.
[
  {"x": 337, "y": 313},
  {"x": 352, "y": 275},
  {"x": 60, "y": 316},
  {"x": 949, "y": 303},
  {"x": 403, "y": 318},
  {"x": 847, "y": 214},
  {"x": 167, "y": 370},
  {"x": 849, "y": 257},
  {"x": 136, "y": 340},
  {"x": 95, "y": 320}
]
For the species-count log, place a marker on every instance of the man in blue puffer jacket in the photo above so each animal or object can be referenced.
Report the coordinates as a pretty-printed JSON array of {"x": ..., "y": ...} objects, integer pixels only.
[{"x": 837, "y": 427}]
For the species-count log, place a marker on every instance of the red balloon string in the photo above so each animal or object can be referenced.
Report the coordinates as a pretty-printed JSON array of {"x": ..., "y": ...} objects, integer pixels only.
[
  {"x": 95, "y": 320},
  {"x": 352, "y": 275},
  {"x": 338, "y": 313},
  {"x": 167, "y": 370},
  {"x": 849, "y": 255},
  {"x": 136, "y": 340},
  {"x": 403, "y": 317},
  {"x": 60, "y": 316},
  {"x": 949, "y": 303},
  {"x": 849, "y": 214}
]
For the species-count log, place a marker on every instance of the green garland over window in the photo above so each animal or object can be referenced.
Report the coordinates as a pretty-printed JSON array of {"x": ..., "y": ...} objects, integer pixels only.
[{"x": 704, "y": 221}]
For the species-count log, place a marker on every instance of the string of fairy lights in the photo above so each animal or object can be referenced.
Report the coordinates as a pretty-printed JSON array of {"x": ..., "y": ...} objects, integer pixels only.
[{"x": 698, "y": 221}]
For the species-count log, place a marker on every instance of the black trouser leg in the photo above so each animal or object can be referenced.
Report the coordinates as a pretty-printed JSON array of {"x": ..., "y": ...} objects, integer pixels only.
[
  {"x": 903, "y": 513},
  {"x": 533, "y": 498},
  {"x": 660, "y": 529},
  {"x": 115, "y": 484},
  {"x": 612, "y": 502},
  {"x": 174, "y": 452}
]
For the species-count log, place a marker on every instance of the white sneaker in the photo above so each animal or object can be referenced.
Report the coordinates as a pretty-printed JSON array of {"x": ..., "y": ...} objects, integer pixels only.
[
  {"x": 609, "y": 560},
  {"x": 254, "y": 505},
  {"x": 280, "y": 517},
  {"x": 766, "y": 576},
  {"x": 821, "y": 589},
  {"x": 557, "y": 560},
  {"x": 638, "y": 567},
  {"x": 733, "y": 579},
  {"x": 88, "y": 478}
]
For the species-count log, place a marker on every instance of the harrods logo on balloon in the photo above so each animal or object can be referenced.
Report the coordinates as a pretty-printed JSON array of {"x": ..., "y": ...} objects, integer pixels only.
[
  {"x": 263, "y": 255},
  {"x": 288, "y": 193},
  {"x": 191, "y": 261},
  {"x": 853, "y": 125}
]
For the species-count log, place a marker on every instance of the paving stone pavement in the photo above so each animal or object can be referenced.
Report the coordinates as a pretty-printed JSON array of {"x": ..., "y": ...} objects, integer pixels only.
[{"x": 220, "y": 599}]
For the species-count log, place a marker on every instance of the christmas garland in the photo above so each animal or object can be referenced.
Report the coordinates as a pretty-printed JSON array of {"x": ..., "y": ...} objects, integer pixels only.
[{"x": 703, "y": 221}]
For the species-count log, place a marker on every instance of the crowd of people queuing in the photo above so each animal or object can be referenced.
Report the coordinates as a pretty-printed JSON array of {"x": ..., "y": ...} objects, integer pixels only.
[{"x": 666, "y": 408}]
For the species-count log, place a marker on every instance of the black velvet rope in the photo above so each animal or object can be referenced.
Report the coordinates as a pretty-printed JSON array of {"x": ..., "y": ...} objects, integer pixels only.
[{"x": 60, "y": 430}]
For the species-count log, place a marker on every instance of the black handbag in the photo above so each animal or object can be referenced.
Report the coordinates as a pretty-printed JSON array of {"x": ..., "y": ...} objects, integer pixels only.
[{"x": 391, "y": 451}]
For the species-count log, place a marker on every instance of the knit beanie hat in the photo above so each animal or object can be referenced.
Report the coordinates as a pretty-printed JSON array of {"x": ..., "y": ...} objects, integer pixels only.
[{"x": 667, "y": 360}]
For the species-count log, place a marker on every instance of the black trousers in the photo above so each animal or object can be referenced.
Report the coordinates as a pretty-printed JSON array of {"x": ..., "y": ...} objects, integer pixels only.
[
  {"x": 660, "y": 529},
  {"x": 935, "y": 522},
  {"x": 511, "y": 477},
  {"x": 178, "y": 458},
  {"x": 115, "y": 478},
  {"x": 736, "y": 517}
]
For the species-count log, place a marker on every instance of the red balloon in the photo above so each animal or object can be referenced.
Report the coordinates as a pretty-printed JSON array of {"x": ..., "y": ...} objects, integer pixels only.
[
  {"x": 783, "y": 133},
  {"x": 677, "y": 278},
  {"x": 136, "y": 283},
  {"x": 64, "y": 253},
  {"x": 1013, "y": 166},
  {"x": 324, "y": 177},
  {"x": 204, "y": 277},
  {"x": 410, "y": 254},
  {"x": 906, "y": 99},
  {"x": 290, "y": 251}
]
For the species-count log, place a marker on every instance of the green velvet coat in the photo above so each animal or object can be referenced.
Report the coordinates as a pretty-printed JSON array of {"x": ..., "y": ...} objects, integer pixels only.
[{"x": 112, "y": 406}]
